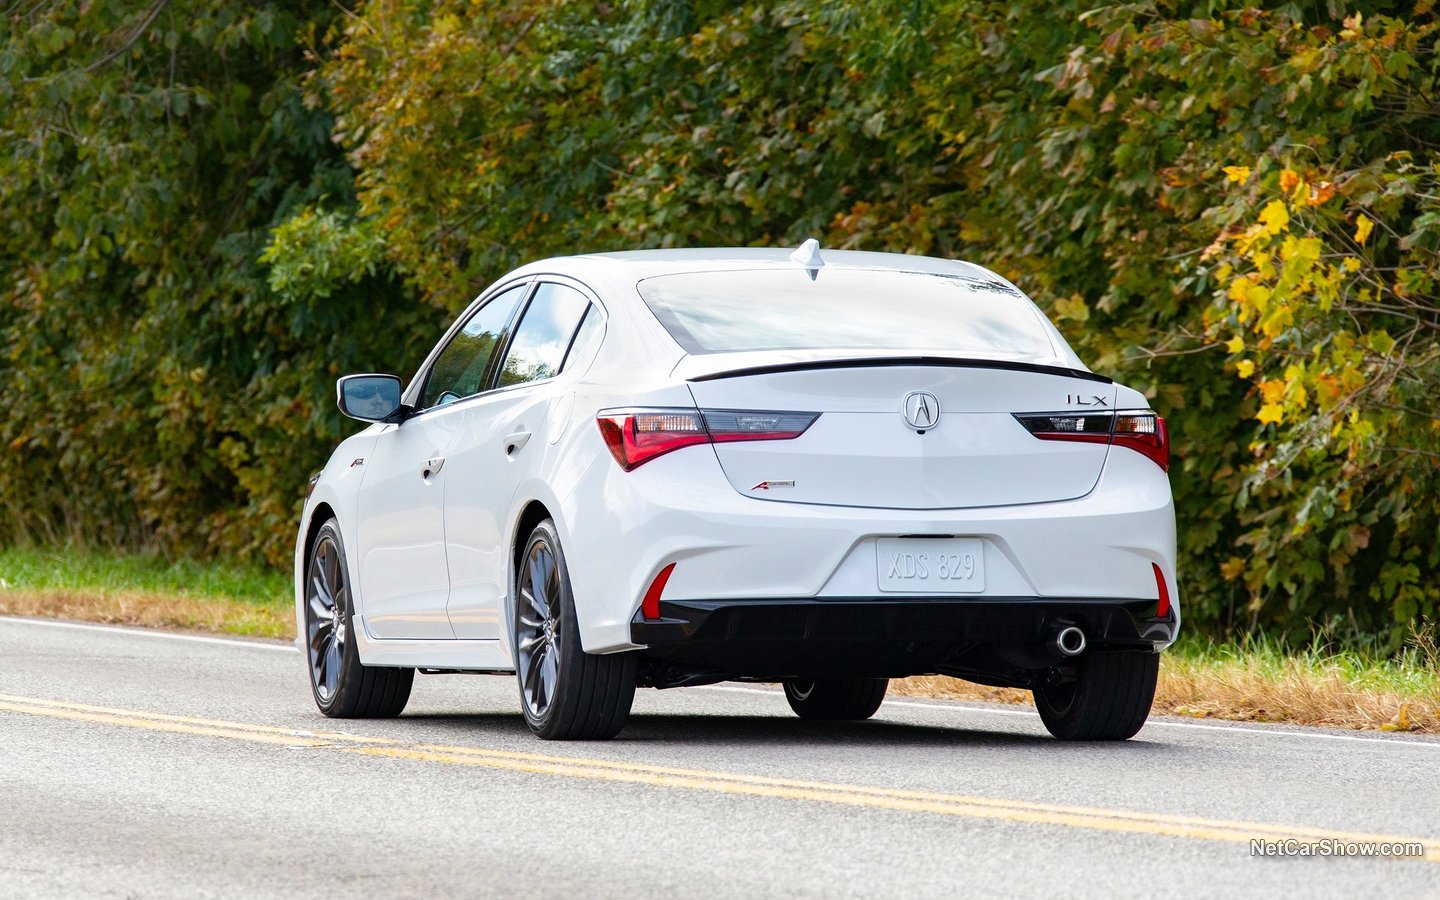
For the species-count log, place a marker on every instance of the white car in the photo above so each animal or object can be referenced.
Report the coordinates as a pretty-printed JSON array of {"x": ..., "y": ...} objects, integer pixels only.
[{"x": 663, "y": 468}]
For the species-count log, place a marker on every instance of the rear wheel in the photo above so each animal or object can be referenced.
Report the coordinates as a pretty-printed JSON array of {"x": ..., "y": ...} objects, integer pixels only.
[
  {"x": 567, "y": 694},
  {"x": 342, "y": 687},
  {"x": 836, "y": 698},
  {"x": 1107, "y": 699}
]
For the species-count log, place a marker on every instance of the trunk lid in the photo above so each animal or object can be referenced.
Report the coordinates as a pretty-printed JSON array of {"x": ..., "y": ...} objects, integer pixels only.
[{"x": 863, "y": 452}]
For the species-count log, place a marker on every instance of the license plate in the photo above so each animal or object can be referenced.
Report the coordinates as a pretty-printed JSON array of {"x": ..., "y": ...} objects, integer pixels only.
[{"x": 931, "y": 565}]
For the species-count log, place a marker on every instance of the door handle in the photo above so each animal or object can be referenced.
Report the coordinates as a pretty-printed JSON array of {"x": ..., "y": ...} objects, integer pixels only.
[
  {"x": 431, "y": 467},
  {"x": 513, "y": 442}
]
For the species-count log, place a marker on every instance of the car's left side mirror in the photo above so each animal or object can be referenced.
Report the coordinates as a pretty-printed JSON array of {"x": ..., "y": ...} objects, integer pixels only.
[{"x": 369, "y": 398}]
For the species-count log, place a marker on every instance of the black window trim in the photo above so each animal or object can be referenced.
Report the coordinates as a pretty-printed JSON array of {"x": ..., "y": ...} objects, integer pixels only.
[
  {"x": 428, "y": 368},
  {"x": 532, "y": 284}
]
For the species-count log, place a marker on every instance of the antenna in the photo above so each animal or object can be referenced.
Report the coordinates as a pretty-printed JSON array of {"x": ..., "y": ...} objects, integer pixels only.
[{"x": 808, "y": 255}]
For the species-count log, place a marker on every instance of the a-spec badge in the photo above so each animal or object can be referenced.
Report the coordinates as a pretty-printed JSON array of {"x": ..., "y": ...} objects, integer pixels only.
[
  {"x": 767, "y": 485},
  {"x": 921, "y": 410}
]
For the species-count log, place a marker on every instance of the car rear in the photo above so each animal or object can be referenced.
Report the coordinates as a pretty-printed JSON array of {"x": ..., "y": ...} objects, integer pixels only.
[{"x": 876, "y": 473}]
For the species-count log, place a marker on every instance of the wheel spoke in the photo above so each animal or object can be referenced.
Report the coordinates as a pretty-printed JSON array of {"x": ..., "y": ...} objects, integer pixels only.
[
  {"x": 318, "y": 655},
  {"x": 548, "y": 668},
  {"x": 332, "y": 568},
  {"x": 320, "y": 591},
  {"x": 534, "y": 684},
  {"x": 532, "y": 643},
  {"x": 332, "y": 667},
  {"x": 539, "y": 600},
  {"x": 529, "y": 597}
]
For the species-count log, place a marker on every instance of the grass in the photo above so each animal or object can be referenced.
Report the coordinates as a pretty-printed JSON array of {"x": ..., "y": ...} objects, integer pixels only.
[
  {"x": 1263, "y": 681},
  {"x": 1257, "y": 680},
  {"x": 137, "y": 589}
]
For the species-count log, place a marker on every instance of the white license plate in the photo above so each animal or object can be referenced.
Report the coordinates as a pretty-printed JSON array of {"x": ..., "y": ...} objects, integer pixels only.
[{"x": 931, "y": 565}]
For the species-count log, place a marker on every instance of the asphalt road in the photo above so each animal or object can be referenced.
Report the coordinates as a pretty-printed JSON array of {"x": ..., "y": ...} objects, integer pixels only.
[{"x": 149, "y": 765}]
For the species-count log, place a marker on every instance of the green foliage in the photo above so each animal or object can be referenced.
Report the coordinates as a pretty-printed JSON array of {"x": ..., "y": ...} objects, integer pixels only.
[
  {"x": 88, "y": 571},
  {"x": 1182, "y": 186},
  {"x": 157, "y": 392}
]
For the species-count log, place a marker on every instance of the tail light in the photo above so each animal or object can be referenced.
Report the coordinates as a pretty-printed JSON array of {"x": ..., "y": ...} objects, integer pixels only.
[
  {"x": 1140, "y": 430},
  {"x": 636, "y": 436}
]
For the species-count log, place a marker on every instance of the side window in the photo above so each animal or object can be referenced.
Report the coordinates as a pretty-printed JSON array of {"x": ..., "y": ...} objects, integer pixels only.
[
  {"x": 544, "y": 334},
  {"x": 587, "y": 339},
  {"x": 461, "y": 368}
]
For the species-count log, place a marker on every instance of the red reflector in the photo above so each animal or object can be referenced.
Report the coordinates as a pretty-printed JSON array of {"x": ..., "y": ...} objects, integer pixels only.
[
  {"x": 650, "y": 606},
  {"x": 1162, "y": 609}
]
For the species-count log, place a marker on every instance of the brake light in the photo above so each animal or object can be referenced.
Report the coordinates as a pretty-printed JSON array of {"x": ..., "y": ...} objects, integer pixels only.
[
  {"x": 1162, "y": 608},
  {"x": 1140, "y": 430},
  {"x": 1144, "y": 432},
  {"x": 636, "y": 436}
]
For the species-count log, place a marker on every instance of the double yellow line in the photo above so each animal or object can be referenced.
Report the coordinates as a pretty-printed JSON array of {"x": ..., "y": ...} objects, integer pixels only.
[{"x": 1192, "y": 827}]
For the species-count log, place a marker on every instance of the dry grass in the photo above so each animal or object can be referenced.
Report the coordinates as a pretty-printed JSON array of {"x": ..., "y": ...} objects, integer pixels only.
[
  {"x": 1261, "y": 681},
  {"x": 1298, "y": 690},
  {"x": 172, "y": 612}
]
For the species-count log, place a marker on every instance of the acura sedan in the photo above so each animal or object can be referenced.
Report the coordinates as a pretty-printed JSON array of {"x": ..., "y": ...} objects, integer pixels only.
[{"x": 818, "y": 468}]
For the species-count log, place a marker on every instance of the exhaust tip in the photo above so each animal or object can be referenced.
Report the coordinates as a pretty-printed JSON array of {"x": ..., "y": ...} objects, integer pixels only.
[{"x": 1070, "y": 641}]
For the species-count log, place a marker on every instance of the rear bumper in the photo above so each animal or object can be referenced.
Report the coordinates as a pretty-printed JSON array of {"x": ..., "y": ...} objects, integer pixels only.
[{"x": 999, "y": 640}]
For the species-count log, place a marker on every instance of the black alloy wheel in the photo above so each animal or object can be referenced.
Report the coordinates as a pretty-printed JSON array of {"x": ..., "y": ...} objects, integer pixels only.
[
  {"x": 566, "y": 693},
  {"x": 343, "y": 688}
]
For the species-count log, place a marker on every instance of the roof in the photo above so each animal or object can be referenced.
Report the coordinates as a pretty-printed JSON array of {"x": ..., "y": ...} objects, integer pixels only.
[{"x": 649, "y": 263}]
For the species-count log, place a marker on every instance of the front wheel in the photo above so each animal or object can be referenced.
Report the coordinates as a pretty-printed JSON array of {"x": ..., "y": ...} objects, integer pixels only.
[
  {"x": 567, "y": 694},
  {"x": 1107, "y": 697},
  {"x": 343, "y": 688},
  {"x": 836, "y": 699}
]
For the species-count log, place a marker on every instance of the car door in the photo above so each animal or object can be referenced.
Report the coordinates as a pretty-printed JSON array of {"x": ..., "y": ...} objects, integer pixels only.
[
  {"x": 504, "y": 440},
  {"x": 404, "y": 570}
]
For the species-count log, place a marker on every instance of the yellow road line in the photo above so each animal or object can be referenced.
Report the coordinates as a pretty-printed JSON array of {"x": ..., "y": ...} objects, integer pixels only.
[{"x": 1131, "y": 821}]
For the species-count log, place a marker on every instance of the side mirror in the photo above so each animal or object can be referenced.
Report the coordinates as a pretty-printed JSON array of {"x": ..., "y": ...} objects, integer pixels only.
[{"x": 369, "y": 398}]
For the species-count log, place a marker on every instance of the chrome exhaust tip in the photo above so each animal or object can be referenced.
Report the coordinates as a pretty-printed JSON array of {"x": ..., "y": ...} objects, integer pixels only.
[{"x": 1070, "y": 641}]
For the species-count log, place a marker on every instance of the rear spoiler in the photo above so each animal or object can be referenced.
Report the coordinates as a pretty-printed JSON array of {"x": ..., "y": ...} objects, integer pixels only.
[{"x": 882, "y": 361}]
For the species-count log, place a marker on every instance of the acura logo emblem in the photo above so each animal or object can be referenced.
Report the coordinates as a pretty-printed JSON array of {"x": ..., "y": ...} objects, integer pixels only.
[{"x": 921, "y": 410}]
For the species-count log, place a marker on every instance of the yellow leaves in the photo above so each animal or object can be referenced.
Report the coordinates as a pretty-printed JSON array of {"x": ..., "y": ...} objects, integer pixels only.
[
  {"x": 1288, "y": 180},
  {"x": 1363, "y": 225},
  {"x": 1321, "y": 194},
  {"x": 1273, "y": 391},
  {"x": 1245, "y": 368},
  {"x": 1270, "y": 414},
  {"x": 1353, "y": 27},
  {"x": 1279, "y": 318},
  {"x": 1302, "y": 251},
  {"x": 1235, "y": 344},
  {"x": 1380, "y": 341},
  {"x": 1350, "y": 264},
  {"x": 1274, "y": 218},
  {"x": 1327, "y": 386},
  {"x": 1072, "y": 308},
  {"x": 1237, "y": 174},
  {"x": 1402, "y": 721}
]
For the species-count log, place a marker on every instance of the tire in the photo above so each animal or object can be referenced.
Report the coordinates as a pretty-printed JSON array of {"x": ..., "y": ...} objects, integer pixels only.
[
  {"x": 341, "y": 686},
  {"x": 1108, "y": 700},
  {"x": 566, "y": 693},
  {"x": 836, "y": 699}
]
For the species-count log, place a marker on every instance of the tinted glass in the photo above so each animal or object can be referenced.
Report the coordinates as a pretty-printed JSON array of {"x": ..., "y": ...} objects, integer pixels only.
[
  {"x": 460, "y": 369},
  {"x": 592, "y": 328},
  {"x": 544, "y": 334},
  {"x": 846, "y": 309}
]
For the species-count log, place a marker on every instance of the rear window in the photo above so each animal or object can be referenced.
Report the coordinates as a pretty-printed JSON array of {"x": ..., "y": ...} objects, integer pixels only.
[{"x": 846, "y": 309}]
